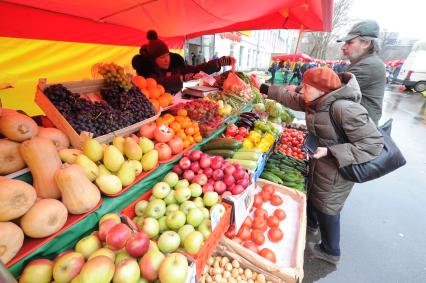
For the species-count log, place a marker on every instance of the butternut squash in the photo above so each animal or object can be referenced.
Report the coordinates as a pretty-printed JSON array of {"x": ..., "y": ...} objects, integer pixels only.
[
  {"x": 43, "y": 160},
  {"x": 78, "y": 194},
  {"x": 45, "y": 217},
  {"x": 10, "y": 158},
  {"x": 59, "y": 139},
  {"x": 11, "y": 240},
  {"x": 17, "y": 127},
  {"x": 16, "y": 198}
]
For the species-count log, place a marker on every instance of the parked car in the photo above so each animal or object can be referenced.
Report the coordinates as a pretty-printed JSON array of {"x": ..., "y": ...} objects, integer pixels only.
[{"x": 413, "y": 71}]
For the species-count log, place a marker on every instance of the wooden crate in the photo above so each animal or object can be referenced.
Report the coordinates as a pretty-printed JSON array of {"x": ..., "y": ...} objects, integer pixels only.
[{"x": 88, "y": 89}]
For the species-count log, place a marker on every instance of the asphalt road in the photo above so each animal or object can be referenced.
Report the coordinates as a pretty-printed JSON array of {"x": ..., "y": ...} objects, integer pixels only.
[{"x": 383, "y": 223}]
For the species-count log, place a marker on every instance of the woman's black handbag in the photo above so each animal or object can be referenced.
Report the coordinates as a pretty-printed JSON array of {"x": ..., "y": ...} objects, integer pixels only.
[
  {"x": 390, "y": 157},
  {"x": 310, "y": 144}
]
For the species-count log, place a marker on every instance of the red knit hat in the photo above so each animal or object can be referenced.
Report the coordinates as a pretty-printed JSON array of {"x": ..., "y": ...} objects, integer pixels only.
[
  {"x": 155, "y": 47},
  {"x": 322, "y": 78}
]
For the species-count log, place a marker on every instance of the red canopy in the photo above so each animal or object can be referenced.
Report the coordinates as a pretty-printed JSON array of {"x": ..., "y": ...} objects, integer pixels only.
[
  {"x": 124, "y": 22},
  {"x": 293, "y": 57}
]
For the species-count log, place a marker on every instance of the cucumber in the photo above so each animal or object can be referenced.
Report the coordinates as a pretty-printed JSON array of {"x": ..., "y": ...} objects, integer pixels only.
[
  {"x": 271, "y": 177},
  {"x": 222, "y": 143},
  {"x": 248, "y": 164},
  {"x": 247, "y": 155},
  {"x": 225, "y": 153}
]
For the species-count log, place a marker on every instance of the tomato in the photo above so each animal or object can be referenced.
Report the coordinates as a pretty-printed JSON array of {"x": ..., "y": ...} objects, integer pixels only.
[
  {"x": 257, "y": 237},
  {"x": 258, "y": 201},
  {"x": 280, "y": 214},
  {"x": 265, "y": 195},
  {"x": 273, "y": 221},
  {"x": 269, "y": 189},
  {"x": 248, "y": 222},
  {"x": 260, "y": 212},
  {"x": 237, "y": 240},
  {"x": 251, "y": 246},
  {"x": 275, "y": 234},
  {"x": 300, "y": 156},
  {"x": 276, "y": 200},
  {"x": 242, "y": 131},
  {"x": 231, "y": 232},
  {"x": 260, "y": 223},
  {"x": 268, "y": 254},
  {"x": 244, "y": 233}
]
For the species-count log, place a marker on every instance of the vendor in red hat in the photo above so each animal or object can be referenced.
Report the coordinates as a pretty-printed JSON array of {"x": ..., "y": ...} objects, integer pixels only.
[
  {"x": 322, "y": 92},
  {"x": 169, "y": 69}
]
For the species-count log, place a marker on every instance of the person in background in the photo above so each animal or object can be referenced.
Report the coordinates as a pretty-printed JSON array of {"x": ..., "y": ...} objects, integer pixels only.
[
  {"x": 360, "y": 48},
  {"x": 215, "y": 56},
  {"x": 200, "y": 58},
  {"x": 297, "y": 72},
  {"x": 169, "y": 69},
  {"x": 193, "y": 58},
  {"x": 286, "y": 70},
  {"x": 327, "y": 189},
  {"x": 272, "y": 69}
]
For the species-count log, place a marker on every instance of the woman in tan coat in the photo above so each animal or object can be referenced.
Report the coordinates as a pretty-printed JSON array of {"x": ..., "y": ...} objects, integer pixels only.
[{"x": 328, "y": 190}]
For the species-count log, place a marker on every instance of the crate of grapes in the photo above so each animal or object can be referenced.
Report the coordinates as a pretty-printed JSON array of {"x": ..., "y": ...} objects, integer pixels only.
[{"x": 92, "y": 108}]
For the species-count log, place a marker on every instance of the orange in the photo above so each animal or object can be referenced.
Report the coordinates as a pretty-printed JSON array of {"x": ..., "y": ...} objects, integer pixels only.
[
  {"x": 181, "y": 134},
  {"x": 151, "y": 83},
  {"x": 161, "y": 89},
  {"x": 186, "y": 124},
  {"x": 197, "y": 130},
  {"x": 198, "y": 138},
  {"x": 164, "y": 101},
  {"x": 175, "y": 126},
  {"x": 186, "y": 144},
  {"x": 154, "y": 93},
  {"x": 182, "y": 112},
  {"x": 191, "y": 140},
  {"x": 169, "y": 97},
  {"x": 145, "y": 91},
  {"x": 179, "y": 119},
  {"x": 139, "y": 81},
  {"x": 189, "y": 131},
  {"x": 169, "y": 117},
  {"x": 156, "y": 104}
]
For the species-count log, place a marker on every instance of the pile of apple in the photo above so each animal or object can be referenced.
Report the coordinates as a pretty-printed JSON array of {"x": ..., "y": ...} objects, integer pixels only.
[
  {"x": 213, "y": 173},
  {"x": 254, "y": 231},
  {"x": 115, "y": 253},
  {"x": 177, "y": 215}
]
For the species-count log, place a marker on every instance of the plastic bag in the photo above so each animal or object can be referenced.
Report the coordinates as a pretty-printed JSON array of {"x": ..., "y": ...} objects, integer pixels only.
[
  {"x": 233, "y": 83},
  {"x": 254, "y": 80}
]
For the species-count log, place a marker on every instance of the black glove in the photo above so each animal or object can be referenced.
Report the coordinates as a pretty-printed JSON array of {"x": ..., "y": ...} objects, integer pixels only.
[
  {"x": 264, "y": 89},
  {"x": 225, "y": 60},
  {"x": 187, "y": 77}
]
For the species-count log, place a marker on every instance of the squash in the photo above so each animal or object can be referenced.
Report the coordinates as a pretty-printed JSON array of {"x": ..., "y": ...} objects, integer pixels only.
[
  {"x": 11, "y": 240},
  {"x": 43, "y": 160},
  {"x": 59, "y": 139},
  {"x": 78, "y": 194},
  {"x": 45, "y": 217},
  {"x": 10, "y": 158},
  {"x": 17, "y": 127},
  {"x": 16, "y": 198}
]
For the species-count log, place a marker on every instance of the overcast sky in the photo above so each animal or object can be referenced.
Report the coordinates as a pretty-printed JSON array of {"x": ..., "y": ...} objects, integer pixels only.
[{"x": 408, "y": 17}]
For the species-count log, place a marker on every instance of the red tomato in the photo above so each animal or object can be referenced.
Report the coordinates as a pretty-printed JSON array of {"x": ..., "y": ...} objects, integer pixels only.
[
  {"x": 258, "y": 201},
  {"x": 275, "y": 234},
  {"x": 257, "y": 237},
  {"x": 268, "y": 189},
  {"x": 260, "y": 223},
  {"x": 237, "y": 240},
  {"x": 280, "y": 214},
  {"x": 265, "y": 195},
  {"x": 251, "y": 246},
  {"x": 260, "y": 212},
  {"x": 268, "y": 254},
  {"x": 276, "y": 200},
  {"x": 244, "y": 233},
  {"x": 248, "y": 222},
  {"x": 273, "y": 221}
]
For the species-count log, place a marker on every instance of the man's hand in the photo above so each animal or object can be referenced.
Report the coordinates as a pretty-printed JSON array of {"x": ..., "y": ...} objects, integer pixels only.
[
  {"x": 320, "y": 152},
  {"x": 226, "y": 60}
]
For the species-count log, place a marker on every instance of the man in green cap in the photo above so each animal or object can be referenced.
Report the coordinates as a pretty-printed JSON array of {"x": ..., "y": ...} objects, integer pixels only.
[{"x": 360, "y": 48}]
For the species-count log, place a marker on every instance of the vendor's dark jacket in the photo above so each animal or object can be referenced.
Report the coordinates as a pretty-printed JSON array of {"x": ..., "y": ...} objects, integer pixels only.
[
  {"x": 370, "y": 72},
  {"x": 328, "y": 190},
  {"x": 171, "y": 79}
]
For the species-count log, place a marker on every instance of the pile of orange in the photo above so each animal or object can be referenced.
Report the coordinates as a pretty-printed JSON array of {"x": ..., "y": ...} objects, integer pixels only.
[
  {"x": 155, "y": 92},
  {"x": 183, "y": 126}
]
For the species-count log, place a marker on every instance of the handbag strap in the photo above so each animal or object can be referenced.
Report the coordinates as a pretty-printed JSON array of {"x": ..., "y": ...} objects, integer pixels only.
[{"x": 341, "y": 136}]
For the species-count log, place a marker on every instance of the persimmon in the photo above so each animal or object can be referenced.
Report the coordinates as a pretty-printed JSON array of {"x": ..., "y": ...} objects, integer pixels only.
[
  {"x": 182, "y": 112},
  {"x": 164, "y": 102},
  {"x": 151, "y": 83}
]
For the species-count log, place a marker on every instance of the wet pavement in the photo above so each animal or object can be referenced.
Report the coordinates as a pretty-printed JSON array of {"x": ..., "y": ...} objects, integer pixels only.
[{"x": 383, "y": 223}]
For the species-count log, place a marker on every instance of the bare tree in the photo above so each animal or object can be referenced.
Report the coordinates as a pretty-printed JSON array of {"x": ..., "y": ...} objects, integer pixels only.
[{"x": 319, "y": 42}]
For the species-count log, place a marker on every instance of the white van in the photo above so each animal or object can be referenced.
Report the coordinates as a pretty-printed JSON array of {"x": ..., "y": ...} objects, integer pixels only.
[{"x": 413, "y": 71}]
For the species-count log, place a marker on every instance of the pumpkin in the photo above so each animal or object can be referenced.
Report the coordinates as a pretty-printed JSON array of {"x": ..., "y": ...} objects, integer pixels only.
[
  {"x": 59, "y": 139},
  {"x": 16, "y": 198},
  {"x": 43, "y": 160},
  {"x": 17, "y": 127},
  {"x": 11, "y": 240},
  {"x": 10, "y": 158},
  {"x": 45, "y": 217},
  {"x": 78, "y": 194}
]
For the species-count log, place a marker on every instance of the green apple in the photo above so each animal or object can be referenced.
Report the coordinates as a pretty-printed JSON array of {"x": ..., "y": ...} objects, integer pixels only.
[
  {"x": 127, "y": 271},
  {"x": 175, "y": 219},
  {"x": 150, "y": 264},
  {"x": 184, "y": 231},
  {"x": 156, "y": 208},
  {"x": 174, "y": 269},
  {"x": 170, "y": 198},
  {"x": 151, "y": 227},
  {"x": 199, "y": 202},
  {"x": 205, "y": 228},
  {"x": 193, "y": 242},
  {"x": 37, "y": 271},
  {"x": 110, "y": 216},
  {"x": 88, "y": 245},
  {"x": 168, "y": 242},
  {"x": 93, "y": 150},
  {"x": 194, "y": 217},
  {"x": 109, "y": 184},
  {"x": 171, "y": 207},
  {"x": 182, "y": 194},
  {"x": 210, "y": 198},
  {"x": 139, "y": 221},
  {"x": 206, "y": 213},
  {"x": 186, "y": 206},
  {"x": 121, "y": 255},
  {"x": 103, "y": 251},
  {"x": 184, "y": 183},
  {"x": 219, "y": 208},
  {"x": 163, "y": 224},
  {"x": 196, "y": 190},
  {"x": 67, "y": 267},
  {"x": 161, "y": 190},
  {"x": 98, "y": 269},
  {"x": 140, "y": 207},
  {"x": 171, "y": 178}
]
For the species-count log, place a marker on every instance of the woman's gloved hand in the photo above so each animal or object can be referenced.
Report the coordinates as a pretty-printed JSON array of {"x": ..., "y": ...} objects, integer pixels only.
[
  {"x": 226, "y": 60},
  {"x": 187, "y": 77}
]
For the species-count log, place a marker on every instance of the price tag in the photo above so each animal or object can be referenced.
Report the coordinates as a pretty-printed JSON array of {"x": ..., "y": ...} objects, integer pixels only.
[
  {"x": 192, "y": 274},
  {"x": 216, "y": 215}
]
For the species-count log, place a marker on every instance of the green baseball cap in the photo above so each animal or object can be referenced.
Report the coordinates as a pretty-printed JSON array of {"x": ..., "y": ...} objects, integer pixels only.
[{"x": 368, "y": 28}]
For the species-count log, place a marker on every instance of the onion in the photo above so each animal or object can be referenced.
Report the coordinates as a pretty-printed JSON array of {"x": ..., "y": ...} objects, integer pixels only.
[
  {"x": 210, "y": 261},
  {"x": 235, "y": 264},
  {"x": 235, "y": 273},
  {"x": 261, "y": 278},
  {"x": 248, "y": 273},
  {"x": 217, "y": 278},
  {"x": 228, "y": 267}
]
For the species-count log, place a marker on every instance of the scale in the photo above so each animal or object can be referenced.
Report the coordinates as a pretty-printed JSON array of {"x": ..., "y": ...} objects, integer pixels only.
[{"x": 198, "y": 91}]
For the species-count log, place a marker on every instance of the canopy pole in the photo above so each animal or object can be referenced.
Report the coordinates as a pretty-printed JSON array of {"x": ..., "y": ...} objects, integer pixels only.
[{"x": 298, "y": 41}]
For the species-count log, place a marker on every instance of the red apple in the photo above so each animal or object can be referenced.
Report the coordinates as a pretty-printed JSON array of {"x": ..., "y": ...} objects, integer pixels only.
[
  {"x": 195, "y": 155},
  {"x": 229, "y": 180},
  {"x": 117, "y": 237},
  {"x": 208, "y": 171},
  {"x": 229, "y": 169},
  {"x": 177, "y": 169},
  {"x": 200, "y": 179},
  {"x": 210, "y": 181},
  {"x": 219, "y": 187},
  {"x": 237, "y": 189},
  {"x": 195, "y": 166},
  {"x": 185, "y": 163},
  {"x": 243, "y": 182},
  {"x": 217, "y": 175},
  {"x": 137, "y": 244},
  {"x": 219, "y": 159},
  {"x": 189, "y": 175},
  {"x": 105, "y": 227},
  {"x": 238, "y": 166},
  {"x": 216, "y": 163},
  {"x": 205, "y": 162},
  {"x": 238, "y": 174},
  {"x": 208, "y": 188}
]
